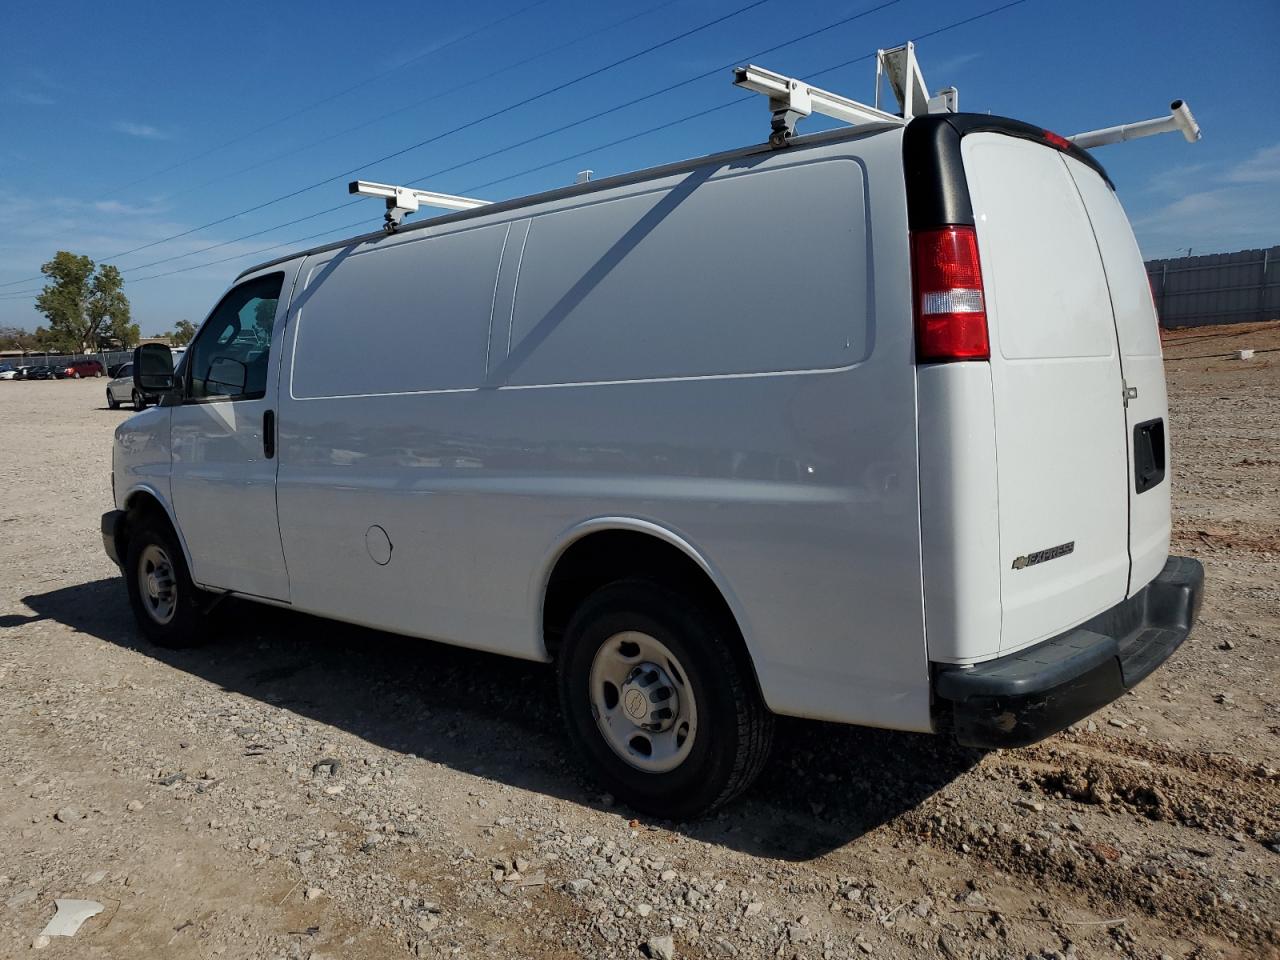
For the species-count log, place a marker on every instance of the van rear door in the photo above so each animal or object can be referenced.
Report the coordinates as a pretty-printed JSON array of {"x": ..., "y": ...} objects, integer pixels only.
[
  {"x": 1058, "y": 386},
  {"x": 1142, "y": 367}
]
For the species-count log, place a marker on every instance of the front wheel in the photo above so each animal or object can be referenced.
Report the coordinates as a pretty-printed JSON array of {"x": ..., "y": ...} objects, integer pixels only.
[
  {"x": 659, "y": 698},
  {"x": 170, "y": 610},
  {"x": 112, "y": 402}
]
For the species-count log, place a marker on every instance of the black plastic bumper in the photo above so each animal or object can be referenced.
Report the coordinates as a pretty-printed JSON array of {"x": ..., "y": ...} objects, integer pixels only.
[
  {"x": 1019, "y": 699},
  {"x": 113, "y": 534}
]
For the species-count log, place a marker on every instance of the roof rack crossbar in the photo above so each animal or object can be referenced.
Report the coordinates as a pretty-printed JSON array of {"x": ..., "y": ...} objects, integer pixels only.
[
  {"x": 791, "y": 100},
  {"x": 402, "y": 201}
]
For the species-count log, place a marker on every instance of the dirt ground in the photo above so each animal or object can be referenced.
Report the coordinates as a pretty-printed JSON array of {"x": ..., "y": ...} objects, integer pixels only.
[{"x": 304, "y": 789}]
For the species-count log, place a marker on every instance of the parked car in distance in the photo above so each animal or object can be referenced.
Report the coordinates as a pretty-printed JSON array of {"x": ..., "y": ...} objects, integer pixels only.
[
  {"x": 121, "y": 390},
  {"x": 8, "y": 372},
  {"x": 77, "y": 369},
  {"x": 44, "y": 372}
]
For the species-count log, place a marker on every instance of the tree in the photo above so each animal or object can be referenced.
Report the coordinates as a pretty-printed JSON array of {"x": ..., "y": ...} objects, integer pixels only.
[
  {"x": 182, "y": 333},
  {"x": 16, "y": 338},
  {"x": 84, "y": 306}
]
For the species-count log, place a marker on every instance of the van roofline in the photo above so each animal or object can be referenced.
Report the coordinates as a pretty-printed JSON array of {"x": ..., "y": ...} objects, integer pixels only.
[
  {"x": 922, "y": 143},
  {"x": 591, "y": 186}
]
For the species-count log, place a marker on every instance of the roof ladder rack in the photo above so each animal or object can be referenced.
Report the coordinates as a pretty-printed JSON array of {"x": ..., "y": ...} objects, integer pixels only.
[
  {"x": 791, "y": 100},
  {"x": 1179, "y": 119},
  {"x": 900, "y": 66},
  {"x": 402, "y": 201}
]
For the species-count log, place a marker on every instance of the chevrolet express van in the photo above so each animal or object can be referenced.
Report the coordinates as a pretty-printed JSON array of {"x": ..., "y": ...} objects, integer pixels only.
[{"x": 870, "y": 429}]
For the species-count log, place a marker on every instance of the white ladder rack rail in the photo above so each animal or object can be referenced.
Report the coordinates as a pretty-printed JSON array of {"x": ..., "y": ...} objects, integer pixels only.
[
  {"x": 402, "y": 201},
  {"x": 792, "y": 100},
  {"x": 1179, "y": 120}
]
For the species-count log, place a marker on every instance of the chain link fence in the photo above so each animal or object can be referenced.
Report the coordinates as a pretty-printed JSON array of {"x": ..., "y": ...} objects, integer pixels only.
[{"x": 110, "y": 359}]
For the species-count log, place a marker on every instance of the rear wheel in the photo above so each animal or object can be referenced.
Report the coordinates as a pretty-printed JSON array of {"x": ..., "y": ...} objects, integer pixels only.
[
  {"x": 139, "y": 401},
  {"x": 169, "y": 608},
  {"x": 659, "y": 698}
]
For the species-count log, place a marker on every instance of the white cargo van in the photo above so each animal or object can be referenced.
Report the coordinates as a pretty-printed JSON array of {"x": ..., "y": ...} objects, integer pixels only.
[{"x": 870, "y": 429}]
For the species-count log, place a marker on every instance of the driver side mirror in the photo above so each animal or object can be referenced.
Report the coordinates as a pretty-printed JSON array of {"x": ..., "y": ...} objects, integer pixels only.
[{"x": 153, "y": 369}]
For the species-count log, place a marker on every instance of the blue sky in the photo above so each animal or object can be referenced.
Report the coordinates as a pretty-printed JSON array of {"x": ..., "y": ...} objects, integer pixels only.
[{"x": 128, "y": 123}]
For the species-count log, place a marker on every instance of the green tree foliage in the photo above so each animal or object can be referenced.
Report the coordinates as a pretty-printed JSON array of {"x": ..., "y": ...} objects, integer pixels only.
[
  {"x": 182, "y": 333},
  {"x": 85, "y": 307}
]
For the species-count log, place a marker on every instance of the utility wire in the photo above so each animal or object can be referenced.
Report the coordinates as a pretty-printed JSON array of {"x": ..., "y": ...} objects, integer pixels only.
[
  {"x": 733, "y": 102},
  {"x": 544, "y": 134},
  {"x": 471, "y": 123},
  {"x": 334, "y": 96},
  {"x": 435, "y": 95},
  {"x": 460, "y": 127}
]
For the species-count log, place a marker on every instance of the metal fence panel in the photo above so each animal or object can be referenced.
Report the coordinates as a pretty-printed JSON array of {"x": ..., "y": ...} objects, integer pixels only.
[
  {"x": 108, "y": 359},
  {"x": 1241, "y": 287}
]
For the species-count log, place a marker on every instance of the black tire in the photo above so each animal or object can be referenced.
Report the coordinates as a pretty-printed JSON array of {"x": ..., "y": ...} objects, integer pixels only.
[
  {"x": 734, "y": 727},
  {"x": 189, "y": 624},
  {"x": 139, "y": 401},
  {"x": 112, "y": 402}
]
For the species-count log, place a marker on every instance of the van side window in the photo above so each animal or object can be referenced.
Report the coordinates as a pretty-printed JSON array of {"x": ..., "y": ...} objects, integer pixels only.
[{"x": 228, "y": 359}]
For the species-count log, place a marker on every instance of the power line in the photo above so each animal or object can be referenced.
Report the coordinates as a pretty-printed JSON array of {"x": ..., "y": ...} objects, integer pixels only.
[
  {"x": 345, "y": 228},
  {"x": 334, "y": 96},
  {"x": 737, "y": 100},
  {"x": 345, "y": 173},
  {"x": 440, "y": 136},
  {"x": 435, "y": 95},
  {"x": 544, "y": 134},
  {"x": 634, "y": 136}
]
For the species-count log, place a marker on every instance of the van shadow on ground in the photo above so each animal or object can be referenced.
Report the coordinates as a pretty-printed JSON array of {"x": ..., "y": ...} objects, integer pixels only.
[{"x": 495, "y": 717}]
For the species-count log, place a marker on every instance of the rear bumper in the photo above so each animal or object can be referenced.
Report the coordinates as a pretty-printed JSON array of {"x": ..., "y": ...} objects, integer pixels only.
[
  {"x": 113, "y": 534},
  {"x": 1024, "y": 697}
]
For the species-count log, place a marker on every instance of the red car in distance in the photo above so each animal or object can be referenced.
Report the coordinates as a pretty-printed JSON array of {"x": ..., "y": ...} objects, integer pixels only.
[{"x": 85, "y": 368}]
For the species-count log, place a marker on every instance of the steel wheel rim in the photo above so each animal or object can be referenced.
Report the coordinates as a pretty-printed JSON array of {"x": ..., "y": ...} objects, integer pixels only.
[
  {"x": 158, "y": 584},
  {"x": 642, "y": 702}
]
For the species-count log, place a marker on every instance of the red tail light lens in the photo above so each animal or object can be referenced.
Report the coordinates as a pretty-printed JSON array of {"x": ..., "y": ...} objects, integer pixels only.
[
  {"x": 951, "y": 313},
  {"x": 1056, "y": 140}
]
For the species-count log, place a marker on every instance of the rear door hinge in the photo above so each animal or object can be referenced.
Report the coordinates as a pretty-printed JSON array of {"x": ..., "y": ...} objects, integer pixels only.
[{"x": 1129, "y": 393}]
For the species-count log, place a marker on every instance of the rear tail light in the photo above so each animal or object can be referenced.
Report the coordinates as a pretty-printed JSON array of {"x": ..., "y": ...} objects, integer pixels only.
[
  {"x": 1056, "y": 140},
  {"x": 951, "y": 313}
]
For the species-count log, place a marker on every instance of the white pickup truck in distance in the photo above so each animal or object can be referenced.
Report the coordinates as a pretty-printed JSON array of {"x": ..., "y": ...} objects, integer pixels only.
[{"x": 870, "y": 429}]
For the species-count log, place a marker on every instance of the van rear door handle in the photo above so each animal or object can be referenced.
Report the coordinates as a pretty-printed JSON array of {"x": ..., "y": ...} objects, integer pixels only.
[{"x": 269, "y": 434}]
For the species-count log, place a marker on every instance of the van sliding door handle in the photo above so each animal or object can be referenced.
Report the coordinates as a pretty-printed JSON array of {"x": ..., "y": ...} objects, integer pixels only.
[{"x": 269, "y": 434}]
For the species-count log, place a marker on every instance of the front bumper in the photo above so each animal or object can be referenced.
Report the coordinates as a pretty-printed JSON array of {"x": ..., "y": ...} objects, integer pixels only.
[
  {"x": 113, "y": 534},
  {"x": 1016, "y": 700}
]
